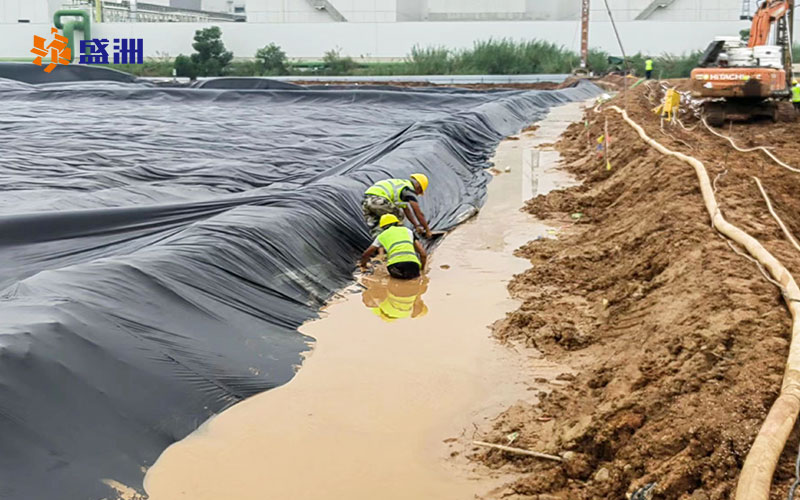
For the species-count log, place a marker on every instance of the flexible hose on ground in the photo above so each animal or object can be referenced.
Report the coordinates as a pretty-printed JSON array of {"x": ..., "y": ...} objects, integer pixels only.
[
  {"x": 750, "y": 150},
  {"x": 785, "y": 230},
  {"x": 756, "y": 476}
]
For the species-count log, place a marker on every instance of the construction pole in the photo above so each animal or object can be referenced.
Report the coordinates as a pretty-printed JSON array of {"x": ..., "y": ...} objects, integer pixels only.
[
  {"x": 789, "y": 58},
  {"x": 624, "y": 57},
  {"x": 584, "y": 34}
]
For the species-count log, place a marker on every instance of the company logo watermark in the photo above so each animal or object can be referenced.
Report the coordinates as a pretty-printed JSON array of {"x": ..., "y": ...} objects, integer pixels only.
[
  {"x": 94, "y": 51},
  {"x": 59, "y": 52},
  {"x": 126, "y": 51}
]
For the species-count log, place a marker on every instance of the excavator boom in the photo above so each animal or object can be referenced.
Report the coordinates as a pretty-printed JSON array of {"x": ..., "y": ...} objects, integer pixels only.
[{"x": 767, "y": 14}]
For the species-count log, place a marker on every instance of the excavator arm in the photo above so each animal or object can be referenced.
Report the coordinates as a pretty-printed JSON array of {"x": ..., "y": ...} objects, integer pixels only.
[{"x": 769, "y": 12}]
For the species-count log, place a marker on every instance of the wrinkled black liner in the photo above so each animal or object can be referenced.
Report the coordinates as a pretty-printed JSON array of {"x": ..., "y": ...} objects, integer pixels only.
[{"x": 160, "y": 247}]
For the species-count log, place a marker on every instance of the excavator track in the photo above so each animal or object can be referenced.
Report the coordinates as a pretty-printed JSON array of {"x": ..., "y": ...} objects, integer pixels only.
[{"x": 717, "y": 113}]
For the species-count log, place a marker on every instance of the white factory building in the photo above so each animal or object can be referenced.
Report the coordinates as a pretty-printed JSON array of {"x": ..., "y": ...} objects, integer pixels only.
[
  {"x": 357, "y": 11},
  {"x": 382, "y": 29}
]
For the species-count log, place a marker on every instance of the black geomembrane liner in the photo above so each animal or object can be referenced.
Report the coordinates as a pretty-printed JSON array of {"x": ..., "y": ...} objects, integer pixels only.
[{"x": 160, "y": 247}]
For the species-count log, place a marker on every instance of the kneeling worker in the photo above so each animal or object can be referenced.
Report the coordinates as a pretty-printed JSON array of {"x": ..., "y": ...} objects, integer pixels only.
[
  {"x": 393, "y": 196},
  {"x": 405, "y": 257}
]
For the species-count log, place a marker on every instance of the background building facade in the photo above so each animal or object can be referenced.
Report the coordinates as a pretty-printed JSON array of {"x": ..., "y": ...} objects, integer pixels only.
[
  {"x": 309, "y": 11},
  {"x": 384, "y": 29}
]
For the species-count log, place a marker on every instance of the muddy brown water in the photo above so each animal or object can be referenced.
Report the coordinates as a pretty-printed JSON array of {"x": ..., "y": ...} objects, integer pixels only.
[{"x": 385, "y": 407}]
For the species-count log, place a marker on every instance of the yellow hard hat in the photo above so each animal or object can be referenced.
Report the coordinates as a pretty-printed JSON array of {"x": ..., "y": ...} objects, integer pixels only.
[
  {"x": 387, "y": 219},
  {"x": 422, "y": 179},
  {"x": 794, "y": 82}
]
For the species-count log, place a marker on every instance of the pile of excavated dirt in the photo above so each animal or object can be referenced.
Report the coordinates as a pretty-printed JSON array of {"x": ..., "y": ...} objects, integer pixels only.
[{"x": 678, "y": 343}]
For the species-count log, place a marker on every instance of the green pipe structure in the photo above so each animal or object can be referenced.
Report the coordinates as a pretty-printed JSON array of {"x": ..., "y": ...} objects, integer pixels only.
[{"x": 69, "y": 27}]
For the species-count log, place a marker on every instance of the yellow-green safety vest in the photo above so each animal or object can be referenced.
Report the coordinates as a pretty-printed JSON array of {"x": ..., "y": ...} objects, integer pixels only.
[
  {"x": 648, "y": 65},
  {"x": 397, "y": 307},
  {"x": 399, "y": 245},
  {"x": 391, "y": 189},
  {"x": 796, "y": 93}
]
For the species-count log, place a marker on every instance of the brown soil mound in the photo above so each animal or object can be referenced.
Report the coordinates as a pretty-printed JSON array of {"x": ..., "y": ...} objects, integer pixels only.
[{"x": 679, "y": 342}]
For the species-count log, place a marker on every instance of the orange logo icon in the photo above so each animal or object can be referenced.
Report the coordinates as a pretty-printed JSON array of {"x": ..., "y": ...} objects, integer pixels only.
[{"x": 59, "y": 53}]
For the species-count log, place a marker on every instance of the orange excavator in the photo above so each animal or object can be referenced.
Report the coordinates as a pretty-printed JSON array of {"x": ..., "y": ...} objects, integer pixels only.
[{"x": 741, "y": 80}]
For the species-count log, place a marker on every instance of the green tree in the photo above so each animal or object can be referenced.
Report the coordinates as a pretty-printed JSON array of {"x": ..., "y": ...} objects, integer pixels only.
[
  {"x": 210, "y": 57},
  {"x": 272, "y": 60}
]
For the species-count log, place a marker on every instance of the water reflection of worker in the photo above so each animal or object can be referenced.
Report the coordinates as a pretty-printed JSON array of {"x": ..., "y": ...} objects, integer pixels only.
[
  {"x": 405, "y": 257},
  {"x": 391, "y": 299},
  {"x": 395, "y": 196}
]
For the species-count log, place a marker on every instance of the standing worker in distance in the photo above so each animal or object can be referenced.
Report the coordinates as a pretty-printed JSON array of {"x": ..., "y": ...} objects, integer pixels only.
[
  {"x": 393, "y": 196},
  {"x": 796, "y": 94},
  {"x": 405, "y": 257},
  {"x": 648, "y": 68}
]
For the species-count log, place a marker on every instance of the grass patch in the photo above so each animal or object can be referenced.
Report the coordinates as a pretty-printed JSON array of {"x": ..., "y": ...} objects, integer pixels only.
[{"x": 498, "y": 57}]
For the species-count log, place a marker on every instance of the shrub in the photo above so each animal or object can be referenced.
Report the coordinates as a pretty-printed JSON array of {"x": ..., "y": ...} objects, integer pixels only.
[
  {"x": 512, "y": 57},
  {"x": 430, "y": 61},
  {"x": 185, "y": 67},
  {"x": 598, "y": 61},
  {"x": 271, "y": 60},
  {"x": 670, "y": 66},
  {"x": 484, "y": 57},
  {"x": 243, "y": 68},
  {"x": 335, "y": 64}
]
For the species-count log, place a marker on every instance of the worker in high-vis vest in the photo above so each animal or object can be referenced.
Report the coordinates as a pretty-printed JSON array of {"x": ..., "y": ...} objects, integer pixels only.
[
  {"x": 405, "y": 257},
  {"x": 648, "y": 68},
  {"x": 399, "y": 198},
  {"x": 796, "y": 95}
]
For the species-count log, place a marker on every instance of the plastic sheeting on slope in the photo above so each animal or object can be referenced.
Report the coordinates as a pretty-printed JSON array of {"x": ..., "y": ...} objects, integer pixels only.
[
  {"x": 160, "y": 247},
  {"x": 30, "y": 73}
]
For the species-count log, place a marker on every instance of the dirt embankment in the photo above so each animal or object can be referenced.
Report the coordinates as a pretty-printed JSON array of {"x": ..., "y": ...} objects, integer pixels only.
[{"x": 679, "y": 342}]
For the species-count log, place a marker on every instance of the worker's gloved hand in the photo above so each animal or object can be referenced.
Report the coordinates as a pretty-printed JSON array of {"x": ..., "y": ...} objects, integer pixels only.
[{"x": 420, "y": 230}]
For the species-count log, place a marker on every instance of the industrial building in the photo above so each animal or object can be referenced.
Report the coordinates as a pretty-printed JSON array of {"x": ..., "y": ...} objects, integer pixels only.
[
  {"x": 382, "y": 30},
  {"x": 309, "y": 11}
]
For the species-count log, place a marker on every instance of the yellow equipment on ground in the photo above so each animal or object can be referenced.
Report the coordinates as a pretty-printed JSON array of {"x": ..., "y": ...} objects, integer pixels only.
[{"x": 671, "y": 105}]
